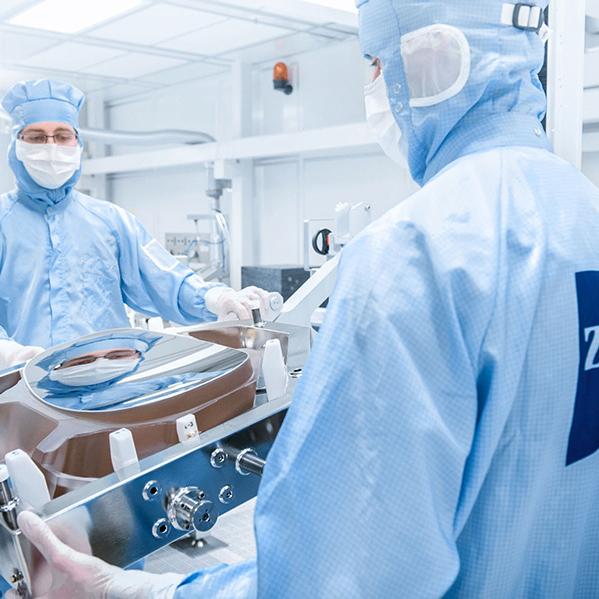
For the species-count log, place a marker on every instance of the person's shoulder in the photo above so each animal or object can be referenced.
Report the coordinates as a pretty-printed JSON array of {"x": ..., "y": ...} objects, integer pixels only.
[
  {"x": 8, "y": 199},
  {"x": 466, "y": 194},
  {"x": 92, "y": 203},
  {"x": 450, "y": 213},
  {"x": 101, "y": 208},
  {"x": 7, "y": 202}
]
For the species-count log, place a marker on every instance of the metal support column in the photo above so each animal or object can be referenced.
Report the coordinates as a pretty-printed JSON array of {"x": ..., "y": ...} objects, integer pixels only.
[
  {"x": 566, "y": 78},
  {"x": 96, "y": 119},
  {"x": 242, "y": 197}
]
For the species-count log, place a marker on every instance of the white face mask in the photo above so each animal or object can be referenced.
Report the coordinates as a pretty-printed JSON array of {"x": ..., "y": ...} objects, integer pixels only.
[
  {"x": 100, "y": 371},
  {"x": 382, "y": 122},
  {"x": 49, "y": 165}
]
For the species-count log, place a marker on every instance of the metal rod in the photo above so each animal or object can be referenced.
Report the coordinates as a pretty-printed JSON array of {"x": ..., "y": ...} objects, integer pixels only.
[
  {"x": 146, "y": 138},
  {"x": 252, "y": 463},
  {"x": 143, "y": 138},
  {"x": 8, "y": 504}
]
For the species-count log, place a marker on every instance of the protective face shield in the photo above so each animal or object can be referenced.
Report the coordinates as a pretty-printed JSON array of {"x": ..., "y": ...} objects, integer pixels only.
[
  {"x": 99, "y": 371},
  {"x": 436, "y": 62},
  {"x": 49, "y": 165},
  {"x": 381, "y": 121}
]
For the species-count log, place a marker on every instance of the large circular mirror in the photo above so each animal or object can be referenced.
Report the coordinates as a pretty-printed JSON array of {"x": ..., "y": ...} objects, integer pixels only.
[{"x": 125, "y": 368}]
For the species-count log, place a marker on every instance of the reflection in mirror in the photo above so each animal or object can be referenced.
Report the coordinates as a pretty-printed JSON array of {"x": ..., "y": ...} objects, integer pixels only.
[{"x": 125, "y": 368}]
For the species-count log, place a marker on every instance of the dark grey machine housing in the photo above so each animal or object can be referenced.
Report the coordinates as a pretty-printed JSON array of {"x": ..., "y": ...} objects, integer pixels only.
[{"x": 285, "y": 279}]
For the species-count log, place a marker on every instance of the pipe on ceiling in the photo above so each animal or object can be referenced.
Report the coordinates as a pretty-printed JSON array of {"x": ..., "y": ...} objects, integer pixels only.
[
  {"x": 142, "y": 138},
  {"x": 150, "y": 138}
]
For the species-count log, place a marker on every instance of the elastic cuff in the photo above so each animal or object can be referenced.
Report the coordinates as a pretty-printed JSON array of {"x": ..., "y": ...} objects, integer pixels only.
[
  {"x": 192, "y": 292},
  {"x": 213, "y": 296}
]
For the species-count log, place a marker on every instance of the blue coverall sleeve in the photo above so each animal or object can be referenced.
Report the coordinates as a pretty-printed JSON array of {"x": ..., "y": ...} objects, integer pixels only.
[
  {"x": 153, "y": 281},
  {"x": 233, "y": 582},
  {"x": 361, "y": 489}
]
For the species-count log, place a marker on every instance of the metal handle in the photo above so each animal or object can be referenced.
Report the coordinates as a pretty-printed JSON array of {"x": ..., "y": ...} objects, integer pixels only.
[{"x": 321, "y": 242}]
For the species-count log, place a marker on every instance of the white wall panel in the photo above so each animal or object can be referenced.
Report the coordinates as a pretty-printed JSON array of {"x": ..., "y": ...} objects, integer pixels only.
[
  {"x": 199, "y": 106},
  {"x": 163, "y": 201},
  {"x": 328, "y": 92},
  {"x": 286, "y": 197},
  {"x": 373, "y": 179},
  {"x": 278, "y": 196}
]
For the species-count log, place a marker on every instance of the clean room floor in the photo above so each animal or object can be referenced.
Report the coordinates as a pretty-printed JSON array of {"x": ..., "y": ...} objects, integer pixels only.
[{"x": 230, "y": 541}]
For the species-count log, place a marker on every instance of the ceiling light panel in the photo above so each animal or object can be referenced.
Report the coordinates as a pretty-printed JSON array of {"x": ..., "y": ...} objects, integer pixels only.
[
  {"x": 278, "y": 48},
  {"x": 134, "y": 64},
  {"x": 10, "y": 7},
  {"x": 345, "y": 5},
  {"x": 224, "y": 37},
  {"x": 119, "y": 91},
  {"x": 15, "y": 47},
  {"x": 156, "y": 24},
  {"x": 71, "y": 56},
  {"x": 189, "y": 72},
  {"x": 72, "y": 16},
  {"x": 9, "y": 77}
]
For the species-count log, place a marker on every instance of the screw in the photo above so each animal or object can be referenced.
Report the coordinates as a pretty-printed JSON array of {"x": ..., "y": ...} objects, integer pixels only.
[
  {"x": 218, "y": 458},
  {"x": 226, "y": 494}
]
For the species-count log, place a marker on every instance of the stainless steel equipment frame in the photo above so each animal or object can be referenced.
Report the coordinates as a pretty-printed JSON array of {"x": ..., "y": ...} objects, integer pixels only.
[
  {"x": 180, "y": 490},
  {"x": 167, "y": 496}
]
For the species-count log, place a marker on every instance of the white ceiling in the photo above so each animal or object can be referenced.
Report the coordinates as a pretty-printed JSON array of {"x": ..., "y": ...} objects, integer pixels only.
[{"x": 166, "y": 42}]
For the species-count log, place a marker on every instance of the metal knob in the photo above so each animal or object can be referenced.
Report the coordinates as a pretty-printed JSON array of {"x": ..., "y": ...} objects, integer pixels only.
[{"x": 188, "y": 510}]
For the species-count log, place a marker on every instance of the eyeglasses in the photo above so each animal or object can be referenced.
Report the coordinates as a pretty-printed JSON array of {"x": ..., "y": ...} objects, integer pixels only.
[
  {"x": 62, "y": 138},
  {"x": 117, "y": 354}
]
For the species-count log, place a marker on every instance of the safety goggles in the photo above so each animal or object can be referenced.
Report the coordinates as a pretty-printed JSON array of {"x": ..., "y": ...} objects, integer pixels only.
[{"x": 117, "y": 354}]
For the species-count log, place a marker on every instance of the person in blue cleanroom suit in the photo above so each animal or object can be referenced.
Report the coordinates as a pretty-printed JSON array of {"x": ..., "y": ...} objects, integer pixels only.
[
  {"x": 446, "y": 444},
  {"x": 69, "y": 263}
]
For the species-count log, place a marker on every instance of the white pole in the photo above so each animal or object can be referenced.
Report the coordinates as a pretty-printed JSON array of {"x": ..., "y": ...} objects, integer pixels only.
[
  {"x": 565, "y": 78},
  {"x": 242, "y": 194}
]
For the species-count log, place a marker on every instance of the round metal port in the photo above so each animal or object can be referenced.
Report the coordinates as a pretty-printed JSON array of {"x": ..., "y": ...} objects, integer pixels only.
[
  {"x": 161, "y": 528},
  {"x": 226, "y": 494},
  {"x": 152, "y": 490}
]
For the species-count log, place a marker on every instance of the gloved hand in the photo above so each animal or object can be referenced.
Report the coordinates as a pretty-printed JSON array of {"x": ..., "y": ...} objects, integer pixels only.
[
  {"x": 226, "y": 302},
  {"x": 75, "y": 575},
  {"x": 12, "y": 353}
]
